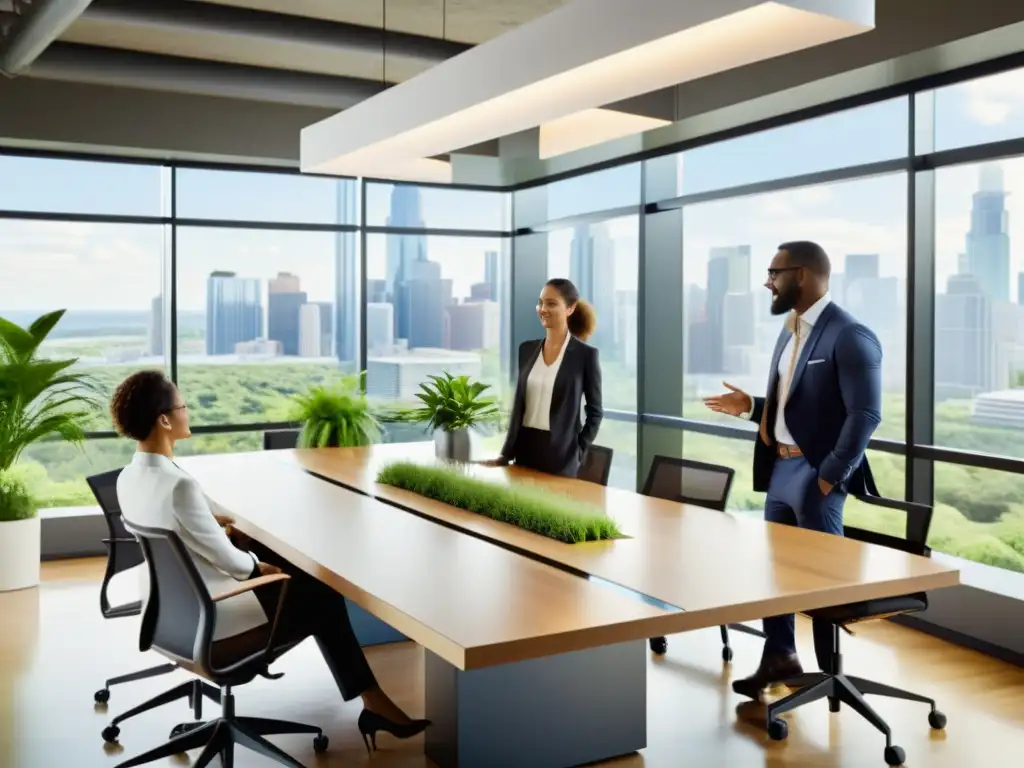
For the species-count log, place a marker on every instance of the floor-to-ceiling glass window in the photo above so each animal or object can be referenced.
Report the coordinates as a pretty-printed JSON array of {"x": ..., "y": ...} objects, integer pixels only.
[
  {"x": 88, "y": 238},
  {"x": 587, "y": 229},
  {"x": 437, "y": 282},
  {"x": 248, "y": 287}
]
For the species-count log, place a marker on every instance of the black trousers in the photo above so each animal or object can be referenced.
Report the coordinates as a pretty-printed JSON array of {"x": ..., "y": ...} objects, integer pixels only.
[
  {"x": 534, "y": 450},
  {"x": 311, "y": 609}
]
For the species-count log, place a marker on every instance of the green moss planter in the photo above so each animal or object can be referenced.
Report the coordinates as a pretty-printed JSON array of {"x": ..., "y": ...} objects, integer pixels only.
[{"x": 557, "y": 517}]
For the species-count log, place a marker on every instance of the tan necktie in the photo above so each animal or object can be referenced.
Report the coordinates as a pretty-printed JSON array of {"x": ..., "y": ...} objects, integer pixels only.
[{"x": 793, "y": 326}]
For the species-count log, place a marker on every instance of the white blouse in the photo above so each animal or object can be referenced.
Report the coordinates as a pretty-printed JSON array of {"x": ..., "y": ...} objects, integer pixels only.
[{"x": 539, "y": 387}]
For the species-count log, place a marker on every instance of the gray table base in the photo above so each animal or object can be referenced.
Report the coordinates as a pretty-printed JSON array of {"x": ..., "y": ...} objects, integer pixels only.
[
  {"x": 553, "y": 712},
  {"x": 369, "y": 629}
]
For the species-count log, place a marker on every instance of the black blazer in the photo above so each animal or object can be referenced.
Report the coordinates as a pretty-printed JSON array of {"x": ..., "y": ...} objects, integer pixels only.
[{"x": 579, "y": 376}]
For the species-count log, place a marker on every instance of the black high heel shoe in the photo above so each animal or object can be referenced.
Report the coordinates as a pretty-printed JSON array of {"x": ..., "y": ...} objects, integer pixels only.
[{"x": 370, "y": 722}]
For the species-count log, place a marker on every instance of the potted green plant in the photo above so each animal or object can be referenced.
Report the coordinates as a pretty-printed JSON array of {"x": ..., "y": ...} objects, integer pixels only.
[
  {"x": 39, "y": 399},
  {"x": 335, "y": 415},
  {"x": 452, "y": 406}
]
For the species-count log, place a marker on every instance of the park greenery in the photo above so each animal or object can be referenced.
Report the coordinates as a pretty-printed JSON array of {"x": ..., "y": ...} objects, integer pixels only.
[
  {"x": 541, "y": 512},
  {"x": 979, "y": 513}
]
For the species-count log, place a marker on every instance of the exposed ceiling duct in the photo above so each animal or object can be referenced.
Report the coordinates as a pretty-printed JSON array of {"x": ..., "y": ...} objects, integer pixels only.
[
  {"x": 243, "y": 36},
  {"x": 36, "y": 26},
  {"x": 107, "y": 66}
]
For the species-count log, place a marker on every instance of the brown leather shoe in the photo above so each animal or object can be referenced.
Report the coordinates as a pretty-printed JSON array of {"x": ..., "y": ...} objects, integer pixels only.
[{"x": 773, "y": 670}]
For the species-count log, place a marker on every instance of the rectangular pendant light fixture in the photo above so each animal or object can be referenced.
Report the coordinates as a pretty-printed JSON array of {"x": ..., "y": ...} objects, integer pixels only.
[{"x": 583, "y": 55}]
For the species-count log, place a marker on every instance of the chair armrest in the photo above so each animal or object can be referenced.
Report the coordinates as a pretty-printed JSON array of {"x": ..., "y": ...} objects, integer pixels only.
[{"x": 249, "y": 585}]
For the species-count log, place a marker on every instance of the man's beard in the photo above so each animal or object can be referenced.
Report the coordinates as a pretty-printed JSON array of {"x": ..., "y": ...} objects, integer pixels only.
[{"x": 785, "y": 300}]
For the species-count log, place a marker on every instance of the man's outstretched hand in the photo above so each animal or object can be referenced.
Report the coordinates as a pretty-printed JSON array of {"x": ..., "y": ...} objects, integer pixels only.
[{"x": 735, "y": 402}]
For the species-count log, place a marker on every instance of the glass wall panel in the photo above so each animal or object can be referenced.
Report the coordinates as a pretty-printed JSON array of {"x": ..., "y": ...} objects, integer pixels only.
[
  {"x": 54, "y": 185},
  {"x": 868, "y": 134},
  {"x": 979, "y": 307},
  {"x": 601, "y": 259},
  {"x": 435, "y": 304},
  {"x": 979, "y": 515},
  {"x": 979, "y": 111},
  {"x": 593, "y": 192},
  {"x": 407, "y": 205},
  {"x": 262, "y": 315},
  {"x": 109, "y": 278},
  {"x": 266, "y": 197},
  {"x": 729, "y": 333}
]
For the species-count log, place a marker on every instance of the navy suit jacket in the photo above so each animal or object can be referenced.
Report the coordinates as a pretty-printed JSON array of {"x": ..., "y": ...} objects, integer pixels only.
[{"x": 834, "y": 403}]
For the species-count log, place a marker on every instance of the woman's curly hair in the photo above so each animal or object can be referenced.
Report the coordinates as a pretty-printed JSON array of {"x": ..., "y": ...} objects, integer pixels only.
[{"x": 139, "y": 401}]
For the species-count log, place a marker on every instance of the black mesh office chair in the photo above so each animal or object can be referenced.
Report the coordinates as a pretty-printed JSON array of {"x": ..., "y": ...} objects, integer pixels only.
[
  {"x": 178, "y": 622},
  {"x": 123, "y": 553},
  {"x": 693, "y": 482},
  {"x": 838, "y": 687},
  {"x": 597, "y": 465},
  {"x": 280, "y": 439}
]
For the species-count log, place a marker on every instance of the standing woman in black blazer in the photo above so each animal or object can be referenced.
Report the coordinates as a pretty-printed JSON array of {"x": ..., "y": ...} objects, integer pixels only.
[{"x": 556, "y": 373}]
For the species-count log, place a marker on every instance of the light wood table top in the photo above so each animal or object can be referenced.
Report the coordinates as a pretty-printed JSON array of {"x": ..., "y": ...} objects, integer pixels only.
[
  {"x": 469, "y": 601},
  {"x": 720, "y": 568}
]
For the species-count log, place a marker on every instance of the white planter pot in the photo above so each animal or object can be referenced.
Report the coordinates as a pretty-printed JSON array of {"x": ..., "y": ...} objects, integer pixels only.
[{"x": 20, "y": 546}]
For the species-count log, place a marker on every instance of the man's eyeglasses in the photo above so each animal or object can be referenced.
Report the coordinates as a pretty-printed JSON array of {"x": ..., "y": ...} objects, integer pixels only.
[
  {"x": 181, "y": 407},
  {"x": 774, "y": 272}
]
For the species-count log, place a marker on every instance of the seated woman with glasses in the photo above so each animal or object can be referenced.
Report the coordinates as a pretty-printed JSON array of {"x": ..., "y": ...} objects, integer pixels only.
[{"x": 154, "y": 492}]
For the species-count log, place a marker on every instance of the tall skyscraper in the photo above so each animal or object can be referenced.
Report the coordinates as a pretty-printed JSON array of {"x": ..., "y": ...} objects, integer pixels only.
[
  {"x": 858, "y": 266},
  {"x": 346, "y": 276},
  {"x": 963, "y": 340},
  {"x": 728, "y": 273},
  {"x": 419, "y": 305},
  {"x": 1020, "y": 290},
  {"x": 234, "y": 312},
  {"x": 988, "y": 241},
  {"x": 492, "y": 273},
  {"x": 315, "y": 329},
  {"x": 473, "y": 325},
  {"x": 404, "y": 250},
  {"x": 284, "y": 302},
  {"x": 592, "y": 271},
  {"x": 310, "y": 333},
  {"x": 380, "y": 327}
]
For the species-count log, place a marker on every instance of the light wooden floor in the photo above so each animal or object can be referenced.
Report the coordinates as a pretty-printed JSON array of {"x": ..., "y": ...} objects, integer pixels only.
[{"x": 55, "y": 650}]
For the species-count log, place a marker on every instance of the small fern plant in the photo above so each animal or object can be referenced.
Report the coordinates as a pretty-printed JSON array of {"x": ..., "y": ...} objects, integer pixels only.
[
  {"x": 335, "y": 415},
  {"x": 452, "y": 403}
]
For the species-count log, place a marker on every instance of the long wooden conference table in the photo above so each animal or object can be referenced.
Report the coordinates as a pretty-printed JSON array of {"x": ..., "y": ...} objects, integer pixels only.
[{"x": 536, "y": 650}]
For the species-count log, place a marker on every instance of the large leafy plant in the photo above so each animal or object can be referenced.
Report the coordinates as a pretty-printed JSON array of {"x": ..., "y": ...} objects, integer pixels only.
[
  {"x": 39, "y": 399},
  {"x": 335, "y": 415},
  {"x": 452, "y": 403}
]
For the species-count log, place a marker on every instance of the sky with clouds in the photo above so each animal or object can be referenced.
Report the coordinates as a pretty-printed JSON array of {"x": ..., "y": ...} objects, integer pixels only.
[{"x": 122, "y": 267}]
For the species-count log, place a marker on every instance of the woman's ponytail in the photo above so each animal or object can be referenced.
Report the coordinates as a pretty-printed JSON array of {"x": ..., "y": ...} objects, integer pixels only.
[{"x": 583, "y": 322}]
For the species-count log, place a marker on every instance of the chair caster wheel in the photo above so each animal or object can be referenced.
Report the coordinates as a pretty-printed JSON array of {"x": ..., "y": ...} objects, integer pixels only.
[
  {"x": 102, "y": 696},
  {"x": 659, "y": 645},
  {"x": 894, "y": 756},
  {"x": 726, "y": 653},
  {"x": 320, "y": 744},
  {"x": 183, "y": 728},
  {"x": 936, "y": 720},
  {"x": 110, "y": 734},
  {"x": 778, "y": 729}
]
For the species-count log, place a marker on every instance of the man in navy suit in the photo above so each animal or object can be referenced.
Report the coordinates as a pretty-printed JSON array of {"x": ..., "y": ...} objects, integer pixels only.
[{"x": 823, "y": 403}]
